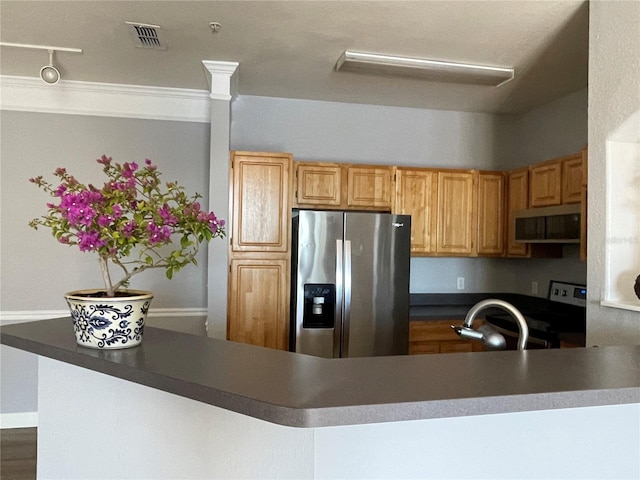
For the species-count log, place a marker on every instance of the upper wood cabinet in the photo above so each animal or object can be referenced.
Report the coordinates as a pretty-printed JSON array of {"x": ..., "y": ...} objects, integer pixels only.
[
  {"x": 556, "y": 182},
  {"x": 491, "y": 217},
  {"x": 318, "y": 184},
  {"x": 572, "y": 173},
  {"x": 368, "y": 187},
  {"x": 338, "y": 186},
  {"x": 545, "y": 184},
  {"x": 456, "y": 219},
  {"x": 415, "y": 195},
  {"x": 517, "y": 199},
  {"x": 260, "y": 201}
]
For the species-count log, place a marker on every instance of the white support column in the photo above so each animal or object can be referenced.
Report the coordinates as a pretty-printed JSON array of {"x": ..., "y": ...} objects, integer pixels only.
[{"x": 222, "y": 80}]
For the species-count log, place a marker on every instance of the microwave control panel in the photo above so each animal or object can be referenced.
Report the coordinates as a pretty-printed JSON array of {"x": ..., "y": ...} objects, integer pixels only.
[{"x": 568, "y": 293}]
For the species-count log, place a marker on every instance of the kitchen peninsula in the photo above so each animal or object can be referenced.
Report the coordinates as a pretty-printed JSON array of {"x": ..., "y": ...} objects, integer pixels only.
[{"x": 207, "y": 408}]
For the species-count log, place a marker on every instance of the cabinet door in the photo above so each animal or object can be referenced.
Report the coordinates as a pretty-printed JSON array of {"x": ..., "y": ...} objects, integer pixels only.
[
  {"x": 437, "y": 336},
  {"x": 369, "y": 187},
  {"x": 261, "y": 202},
  {"x": 259, "y": 302},
  {"x": 416, "y": 196},
  {"x": 318, "y": 185},
  {"x": 456, "y": 213},
  {"x": 517, "y": 199},
  {"x": 572, "y": 179},
  {"x": 545, "y": 187},
  {"x": 490, "y": 214}
]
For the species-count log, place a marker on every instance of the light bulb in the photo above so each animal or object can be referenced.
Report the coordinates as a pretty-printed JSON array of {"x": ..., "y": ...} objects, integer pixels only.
[{"x": 49, "y": 74}]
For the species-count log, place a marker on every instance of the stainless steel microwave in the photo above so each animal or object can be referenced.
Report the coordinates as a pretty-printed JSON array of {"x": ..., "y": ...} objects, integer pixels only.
[{"x": 559, "y": 224}]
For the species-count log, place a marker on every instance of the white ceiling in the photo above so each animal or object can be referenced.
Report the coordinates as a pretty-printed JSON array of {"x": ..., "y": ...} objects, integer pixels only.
[{"x": 289, "y": 48}]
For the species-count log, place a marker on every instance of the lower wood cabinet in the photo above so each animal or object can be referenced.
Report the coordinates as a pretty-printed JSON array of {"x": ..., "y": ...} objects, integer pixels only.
[
  {"x": 437, "y": 336},
  {"x": 259, "y": 302}
]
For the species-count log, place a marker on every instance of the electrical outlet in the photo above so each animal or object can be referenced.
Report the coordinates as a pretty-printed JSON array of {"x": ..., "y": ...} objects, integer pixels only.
[
  {"x": 534, "y": 288},
  {"x": 460, "y": 283}
]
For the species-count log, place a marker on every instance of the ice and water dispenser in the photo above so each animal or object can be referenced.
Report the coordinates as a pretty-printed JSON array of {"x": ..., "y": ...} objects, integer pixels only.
[{"x": 319, "y": 305}]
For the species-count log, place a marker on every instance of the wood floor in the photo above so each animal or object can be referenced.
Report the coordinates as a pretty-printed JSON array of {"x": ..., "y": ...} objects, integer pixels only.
[{"x": 18, "y": 449}]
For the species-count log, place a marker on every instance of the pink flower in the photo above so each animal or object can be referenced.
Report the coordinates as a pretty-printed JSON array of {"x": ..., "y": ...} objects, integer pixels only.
[
  {"x": 128, "y": 229},
  {"x": 60, "y": 190},
  {"x": 105, "y": 220},
  {"x": 129, "y": 169},
  {"x": 104, "y": 160},
  {"x": 158, "y": 234},
  {"x": 90, "y": 241},
  {"x": 167, "y": 216}
]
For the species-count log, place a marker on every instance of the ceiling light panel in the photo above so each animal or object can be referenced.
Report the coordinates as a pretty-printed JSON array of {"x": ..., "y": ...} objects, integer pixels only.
[{"x": 430, "y": 70}]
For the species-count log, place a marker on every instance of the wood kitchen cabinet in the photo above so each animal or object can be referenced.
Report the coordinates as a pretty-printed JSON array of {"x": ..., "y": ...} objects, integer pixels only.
[
  {"x": 517, "y": 199},
  {"x": 456, "y": 217},
  {"x": 259, "y": 302},
  {"x": 343, "y": 186},
  {"x": 491, "y": 213},
  {"x": 572, "y": 168},
  {"x": 318, "y": 185},
  {"x": 259, "y": 250},
  {"x": 260, "y": 202},
  {"x": 545, "y": 184},
  {"x": 368, "y": 187},
  {"x": 437, "y": 336},
  {"x": 415, "y": 195}
]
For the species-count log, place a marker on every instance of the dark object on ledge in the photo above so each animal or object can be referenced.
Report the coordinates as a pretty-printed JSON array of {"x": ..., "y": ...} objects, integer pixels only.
[{"x": 636, "y": 287}]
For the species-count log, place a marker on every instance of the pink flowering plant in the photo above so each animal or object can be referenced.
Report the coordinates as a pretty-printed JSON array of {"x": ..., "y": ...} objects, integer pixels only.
[{"x": 133, "y": 222}]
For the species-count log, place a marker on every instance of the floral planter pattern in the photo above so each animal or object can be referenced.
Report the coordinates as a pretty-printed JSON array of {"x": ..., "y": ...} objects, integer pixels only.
[{"x": 108, "y": 322}]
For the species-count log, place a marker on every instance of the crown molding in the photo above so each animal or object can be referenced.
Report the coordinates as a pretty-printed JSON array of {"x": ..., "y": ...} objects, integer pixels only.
[{"x": 30, "y": 94}]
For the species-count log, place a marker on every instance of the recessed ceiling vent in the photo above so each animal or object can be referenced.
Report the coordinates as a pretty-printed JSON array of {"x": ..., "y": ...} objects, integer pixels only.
[{"x": 146, "y": 36}]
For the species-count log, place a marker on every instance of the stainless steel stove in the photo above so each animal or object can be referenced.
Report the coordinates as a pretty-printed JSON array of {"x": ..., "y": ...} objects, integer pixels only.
[{"x": 562, "y": 316}]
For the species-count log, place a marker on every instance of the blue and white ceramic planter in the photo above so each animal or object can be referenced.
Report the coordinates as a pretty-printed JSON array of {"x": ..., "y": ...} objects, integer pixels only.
[{"x": 108, "y": 322}]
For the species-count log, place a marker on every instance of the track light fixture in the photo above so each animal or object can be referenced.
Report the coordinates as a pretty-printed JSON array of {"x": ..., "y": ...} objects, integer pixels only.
[
  {"x": 49, "y": 74},
  {"x": 430, "y": 70}
]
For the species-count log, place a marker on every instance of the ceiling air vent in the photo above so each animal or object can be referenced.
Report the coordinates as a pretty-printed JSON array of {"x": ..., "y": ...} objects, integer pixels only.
[{"x": 146, "y": 36}]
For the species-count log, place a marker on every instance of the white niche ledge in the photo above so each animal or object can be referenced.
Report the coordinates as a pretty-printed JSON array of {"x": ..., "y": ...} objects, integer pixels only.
[{"x": 623, "y": 215}]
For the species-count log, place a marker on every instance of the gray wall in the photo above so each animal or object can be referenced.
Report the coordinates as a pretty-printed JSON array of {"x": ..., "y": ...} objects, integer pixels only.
[
  {"x": 340, "y": 132},
  {"x": 35, "y": 269}
]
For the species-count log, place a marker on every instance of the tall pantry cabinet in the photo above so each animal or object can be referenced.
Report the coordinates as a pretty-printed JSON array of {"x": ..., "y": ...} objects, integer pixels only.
[{"x": 259, "y": 251}]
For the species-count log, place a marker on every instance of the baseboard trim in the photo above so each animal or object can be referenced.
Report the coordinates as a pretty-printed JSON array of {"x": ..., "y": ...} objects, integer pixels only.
[
  {"x": 16, "y": 316},
  {"x": 19, "y": 420}
]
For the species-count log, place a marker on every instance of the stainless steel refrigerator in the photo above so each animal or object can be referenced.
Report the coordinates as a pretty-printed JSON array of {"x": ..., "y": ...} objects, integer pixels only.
[{"x": 350, "y": 283}]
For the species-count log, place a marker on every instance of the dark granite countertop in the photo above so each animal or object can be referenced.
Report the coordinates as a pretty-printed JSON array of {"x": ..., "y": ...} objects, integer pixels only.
[
  {"x": 454, "y": 306},
  {"x": 304, "y": 391}
]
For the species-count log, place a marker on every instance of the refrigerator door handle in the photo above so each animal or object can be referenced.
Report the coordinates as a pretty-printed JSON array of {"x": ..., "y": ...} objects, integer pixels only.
[
  {"x": 337, "y": 331},
  {"x": 347, "y": 298}
]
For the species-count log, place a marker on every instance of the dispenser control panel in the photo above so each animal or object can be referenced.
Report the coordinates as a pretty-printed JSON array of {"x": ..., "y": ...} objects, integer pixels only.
[{"x": 319, "y": 305}]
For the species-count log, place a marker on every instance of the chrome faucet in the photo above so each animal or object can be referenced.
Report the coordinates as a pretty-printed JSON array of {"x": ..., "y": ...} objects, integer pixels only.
[{"x": 491, "y": 339}]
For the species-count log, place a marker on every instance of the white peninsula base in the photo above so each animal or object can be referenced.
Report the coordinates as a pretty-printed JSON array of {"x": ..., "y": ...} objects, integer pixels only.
[{"x": 92, "y": 425}]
